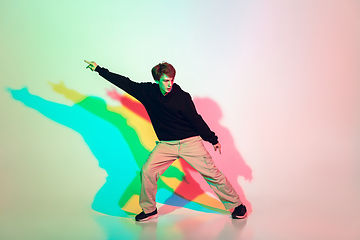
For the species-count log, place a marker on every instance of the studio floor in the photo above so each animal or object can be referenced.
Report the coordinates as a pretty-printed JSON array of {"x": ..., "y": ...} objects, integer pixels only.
[{"x": 268, "y": 221}]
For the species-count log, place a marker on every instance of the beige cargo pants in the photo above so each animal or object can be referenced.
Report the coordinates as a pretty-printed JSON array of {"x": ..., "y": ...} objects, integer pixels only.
[{"x": 192, "y": 150}]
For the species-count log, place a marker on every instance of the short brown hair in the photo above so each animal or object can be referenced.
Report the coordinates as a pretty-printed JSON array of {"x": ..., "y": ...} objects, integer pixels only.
[{"x": 161, "y": 69}]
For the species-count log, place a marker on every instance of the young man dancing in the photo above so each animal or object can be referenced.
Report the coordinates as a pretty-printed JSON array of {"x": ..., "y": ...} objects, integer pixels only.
[{"x": 180, "y": 130}]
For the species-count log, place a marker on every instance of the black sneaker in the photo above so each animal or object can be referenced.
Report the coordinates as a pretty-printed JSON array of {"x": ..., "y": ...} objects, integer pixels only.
[
  {"x": 141, "y": 217},
  {"x": 239, "y": 212}
]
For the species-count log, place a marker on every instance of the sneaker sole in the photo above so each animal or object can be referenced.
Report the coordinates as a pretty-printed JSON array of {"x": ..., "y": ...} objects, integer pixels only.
[
  {"x": 239, "y": 217},
  {"x": 148, "y": 218}
]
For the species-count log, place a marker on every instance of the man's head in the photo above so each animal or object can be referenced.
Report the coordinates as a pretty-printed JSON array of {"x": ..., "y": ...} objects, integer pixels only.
[
  {"x": 161, "y": 69},
  {"x": 164, "y": 74}
]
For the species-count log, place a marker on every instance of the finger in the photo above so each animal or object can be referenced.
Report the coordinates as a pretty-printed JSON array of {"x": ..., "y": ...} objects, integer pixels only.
[
  {"x": 90, "y": 67},
  {"x": 87, "y": 62},
  {"x": 217, "y": 147}
]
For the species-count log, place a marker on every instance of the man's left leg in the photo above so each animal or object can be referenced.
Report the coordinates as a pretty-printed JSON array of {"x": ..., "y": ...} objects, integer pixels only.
[{"x": 193, "y": 151}]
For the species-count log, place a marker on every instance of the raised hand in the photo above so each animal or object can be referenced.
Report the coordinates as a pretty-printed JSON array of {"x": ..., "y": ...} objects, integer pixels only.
[{"x": 92, "y": 65}]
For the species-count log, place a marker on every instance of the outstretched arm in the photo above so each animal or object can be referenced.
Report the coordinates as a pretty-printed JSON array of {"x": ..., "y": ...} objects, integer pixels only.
[
  {"x": 132, "y": 88},
  {"x": 92, "y": 65}
]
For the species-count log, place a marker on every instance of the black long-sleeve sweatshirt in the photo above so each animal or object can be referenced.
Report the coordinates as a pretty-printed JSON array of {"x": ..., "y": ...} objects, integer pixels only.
[{"x": 173, "y": 116}]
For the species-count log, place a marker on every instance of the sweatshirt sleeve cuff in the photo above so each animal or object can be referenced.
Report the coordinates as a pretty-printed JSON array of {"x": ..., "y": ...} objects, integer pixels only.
[
  {"x": 98, "y": 69},
  {"x": 214, "y": 141}
]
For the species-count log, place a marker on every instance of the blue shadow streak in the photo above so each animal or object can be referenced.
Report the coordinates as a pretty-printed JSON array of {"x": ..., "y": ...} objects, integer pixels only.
[{"x": 104, "y": 140}]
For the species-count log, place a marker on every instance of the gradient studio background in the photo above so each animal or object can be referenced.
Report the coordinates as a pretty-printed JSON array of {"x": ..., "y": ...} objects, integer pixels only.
[{"x": 280, "y": 78}]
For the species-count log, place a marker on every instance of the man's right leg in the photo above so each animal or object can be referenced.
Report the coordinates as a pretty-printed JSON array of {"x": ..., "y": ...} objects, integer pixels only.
[{"x": 162, "y": 156}]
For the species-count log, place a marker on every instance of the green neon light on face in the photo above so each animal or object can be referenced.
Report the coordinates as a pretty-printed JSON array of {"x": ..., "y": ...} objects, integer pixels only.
[{"x": 165, "y": 84}]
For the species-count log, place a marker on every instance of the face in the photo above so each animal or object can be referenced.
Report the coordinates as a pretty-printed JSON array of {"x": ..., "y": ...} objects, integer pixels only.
[{"x": 165, "y": 84}]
